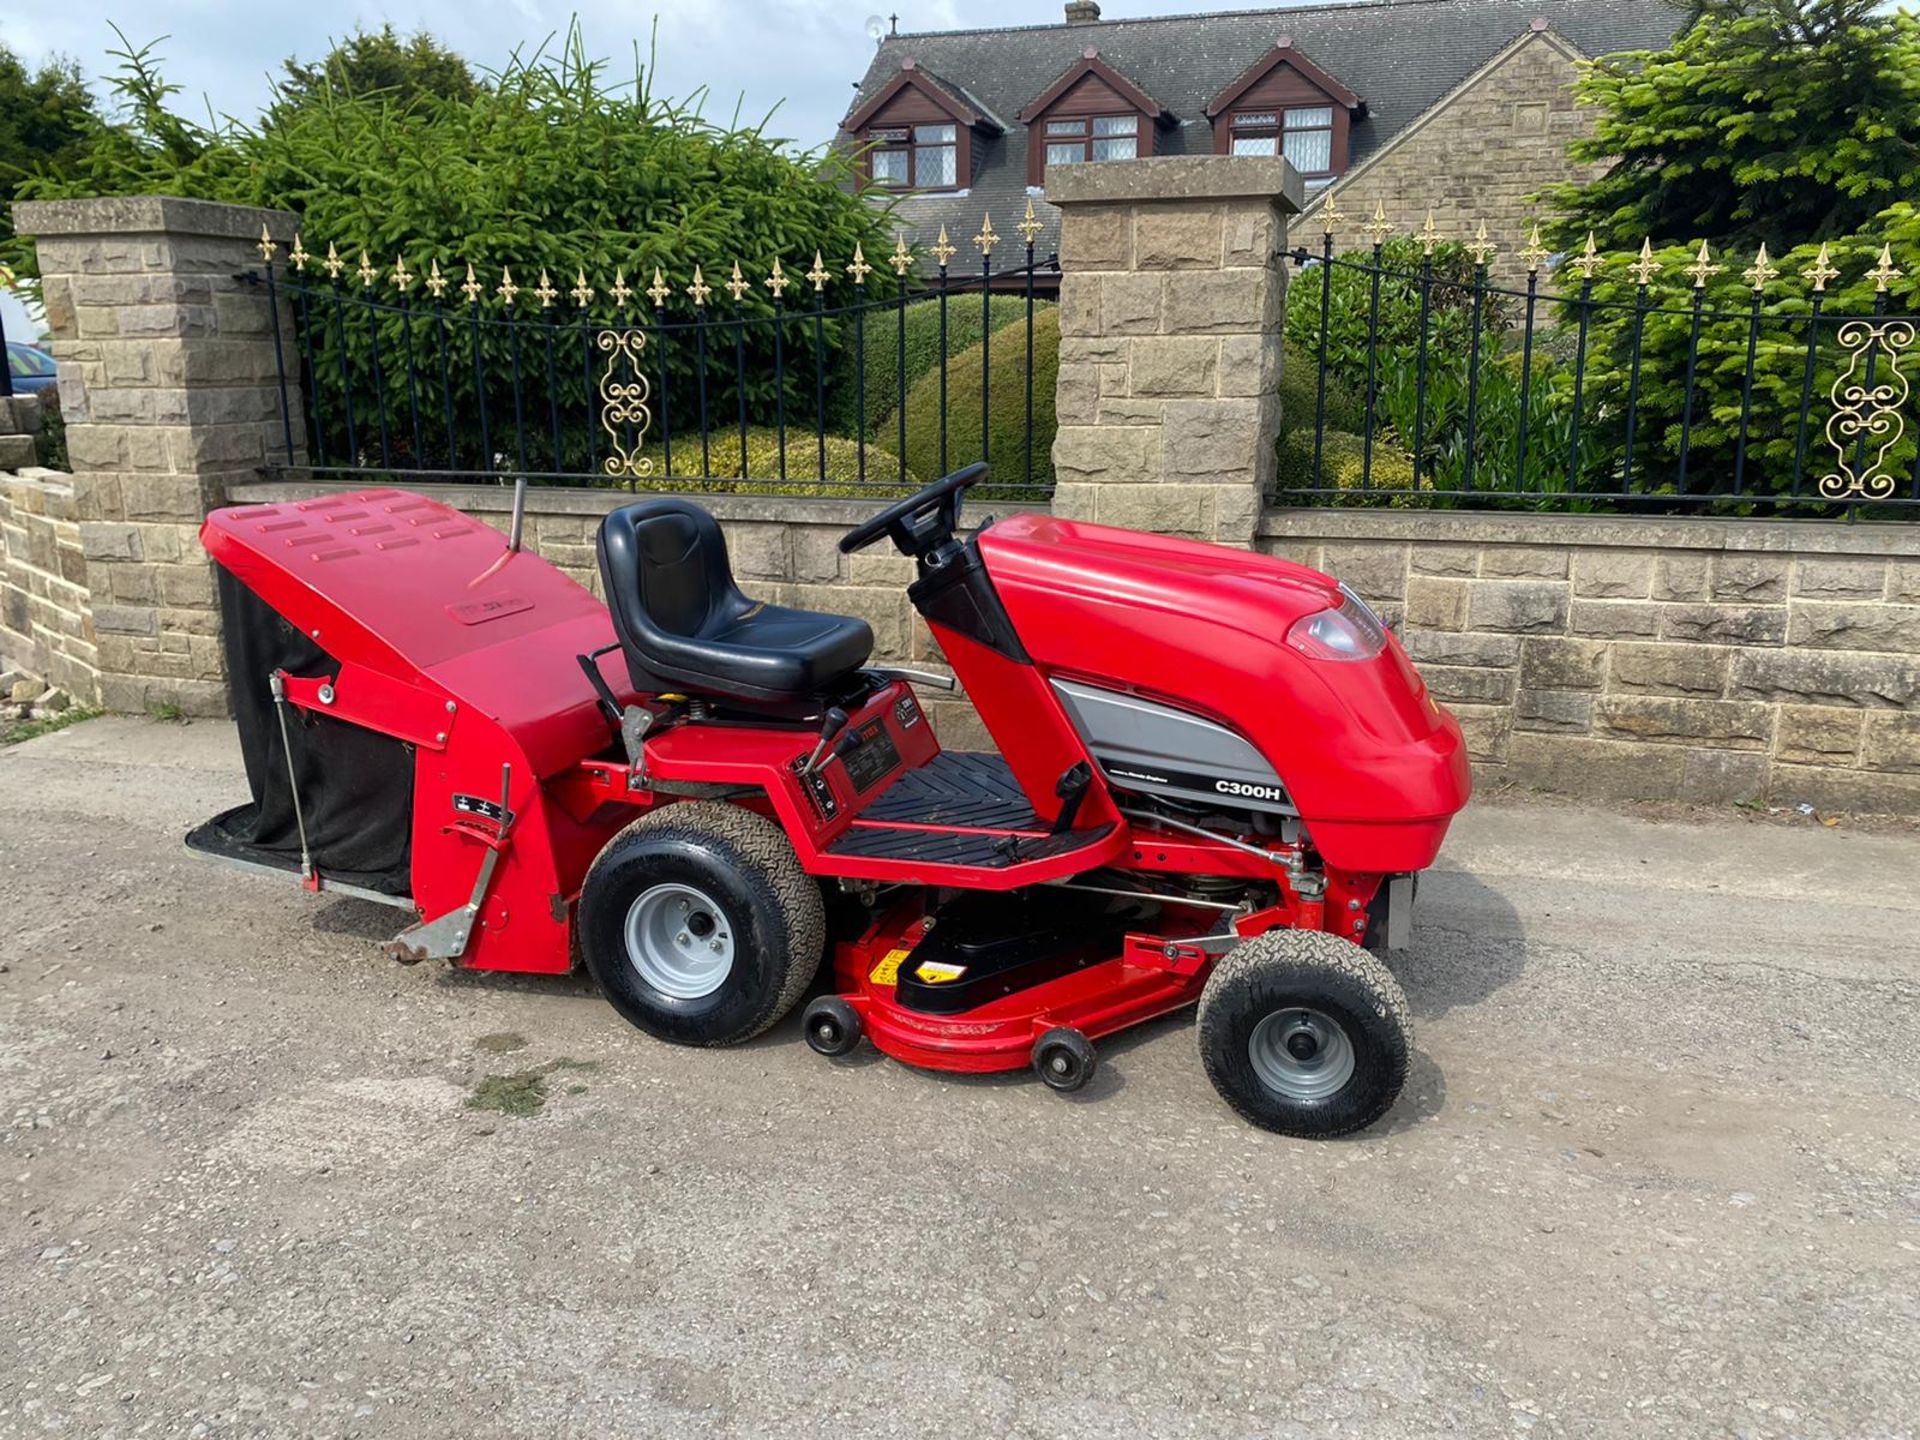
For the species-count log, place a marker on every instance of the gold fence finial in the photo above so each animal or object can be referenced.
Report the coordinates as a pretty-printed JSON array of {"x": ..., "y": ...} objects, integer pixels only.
[
  {"x": 859, "y": 269},
  {"x": 620, "y": 290},
  {"x": 819, "y": 274},
  {"x": 944, "y": 249},
  {"x": 403, "y": 278},
  {"x": 266, "y": 247},
  {"x": 472, "y": 288},
  {"x": 582, "y": 292},
  {"x": 986, "y": 239},
  {"x": 506, "y": 289},
  {"x": 1822, "y": 270},
  {"x": 1884, "y": 274},
  {"x": 366, "y": 272},
  {"x": 1762, "y": 272},
  {"x": 1030, "y": 227},
  {"x": 777, "y": 282},
  {"x": 1589, "y": 262},
  {"x": 659, "y": 290},
  {"x": 297, "y": 256},
  {"x": 1379, "y": 227},
  {"x": 1332, "y": 217},
  {"x": 544, "y": 291},
  {"x": 1481, "y": 248},
  {"x": 1536, "y": 252},
  {"x": 738, "y": 287},
  {"x": 1646, "y": 267},
  {"x": 436, "y": 282},
  {"x": 1703, "y": 268},
  {"x": 1429, "y": 236},
  {"x": 699, "y": 290},
  {"x": 902, "y": 258},
  {"x": 333, "y": 264}
]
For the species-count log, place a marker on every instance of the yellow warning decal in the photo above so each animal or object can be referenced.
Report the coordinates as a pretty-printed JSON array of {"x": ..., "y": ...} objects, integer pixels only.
[
  {"x": 938, "y": 972},
  {"x": 887, "y": 972}
]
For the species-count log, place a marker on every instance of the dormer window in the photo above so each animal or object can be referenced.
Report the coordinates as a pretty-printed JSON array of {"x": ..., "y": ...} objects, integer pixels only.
[
  {"x": 1304, "y": 135},
  {"x": 914, "y": 157},
  {"x": 1095, "y": 138},
  {"x": 919, "y": 132},
  {"x": 1285, "y": 105}
]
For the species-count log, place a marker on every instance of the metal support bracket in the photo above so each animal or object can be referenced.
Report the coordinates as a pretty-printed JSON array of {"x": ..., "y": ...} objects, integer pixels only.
[
  {"x": 447, "y": 936},
  {"x": 635, "y": 721}
]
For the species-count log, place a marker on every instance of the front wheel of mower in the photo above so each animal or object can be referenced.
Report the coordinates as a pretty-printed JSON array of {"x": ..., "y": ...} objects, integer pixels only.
[
  {"x": 1305, "y": 1034},
  {"x": 699, "y": 925}
]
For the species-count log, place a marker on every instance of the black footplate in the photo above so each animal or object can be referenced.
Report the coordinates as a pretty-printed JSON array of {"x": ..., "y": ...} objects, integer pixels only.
[
  {"x": 956, "y": 787},
  {"x": 984, "y": 947}
]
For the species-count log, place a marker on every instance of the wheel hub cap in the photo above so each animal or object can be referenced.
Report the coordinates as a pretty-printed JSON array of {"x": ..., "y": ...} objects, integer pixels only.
[
  {"x": 1301, "y": 1053},
  {"x": 680, "y": 941}
]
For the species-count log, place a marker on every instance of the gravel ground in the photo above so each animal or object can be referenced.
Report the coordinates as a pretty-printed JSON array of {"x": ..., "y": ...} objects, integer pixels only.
[{"x": 1657, "y": 1171}]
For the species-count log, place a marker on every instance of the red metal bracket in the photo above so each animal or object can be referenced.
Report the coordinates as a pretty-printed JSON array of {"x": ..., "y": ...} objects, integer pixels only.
[{"x": 377, "y": 702}]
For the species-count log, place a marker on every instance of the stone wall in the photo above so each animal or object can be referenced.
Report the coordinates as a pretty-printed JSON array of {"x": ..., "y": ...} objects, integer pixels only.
[
  {"x": 1172, "y": 295},
  {"x": 170, "y": 391},
  {"x": 1705, "y": 660},
  {"x": 46, "y": 614},
  {"x": 783, "y": 549},
  {"x": 1478, "y": 155}
]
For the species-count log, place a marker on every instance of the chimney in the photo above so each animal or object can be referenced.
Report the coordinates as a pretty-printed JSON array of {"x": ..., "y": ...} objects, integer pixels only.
[{"x": 1082, "y": 12}]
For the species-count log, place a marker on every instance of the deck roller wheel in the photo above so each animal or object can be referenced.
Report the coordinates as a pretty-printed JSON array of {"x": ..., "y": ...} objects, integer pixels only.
[
  {"x": 1064, "y": 1059},
  {"x": 832, "y": 1026},
  {"x": 1305, "y": 1034}
]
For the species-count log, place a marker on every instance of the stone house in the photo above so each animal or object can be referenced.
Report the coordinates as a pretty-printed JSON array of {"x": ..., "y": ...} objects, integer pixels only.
[{"x": 1464, "y": 106}]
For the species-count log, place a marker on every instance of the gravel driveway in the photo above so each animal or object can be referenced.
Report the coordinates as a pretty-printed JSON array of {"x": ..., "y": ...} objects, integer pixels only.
[{"x": 1657, "y": 1171}]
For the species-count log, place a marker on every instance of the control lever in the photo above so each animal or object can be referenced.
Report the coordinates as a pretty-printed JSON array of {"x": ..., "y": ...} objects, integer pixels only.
[{"x": 834, "y": 722}]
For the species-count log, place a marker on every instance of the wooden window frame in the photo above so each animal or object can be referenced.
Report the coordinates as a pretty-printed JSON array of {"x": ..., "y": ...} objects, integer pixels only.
[
  {"x": 911, "y": 148},
  {"x": 1086, "y": 138},
  {"x": 1238, "y": 127}
]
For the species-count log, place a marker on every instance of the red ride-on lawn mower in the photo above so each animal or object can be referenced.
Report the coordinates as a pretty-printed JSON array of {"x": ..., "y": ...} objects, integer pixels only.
[{"x": 1217, "y": 776}]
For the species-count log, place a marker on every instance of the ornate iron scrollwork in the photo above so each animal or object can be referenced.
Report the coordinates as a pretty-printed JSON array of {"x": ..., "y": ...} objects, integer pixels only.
[
  {"x": 624, "y": 393},
  {"x": 1867, "y": 410}
]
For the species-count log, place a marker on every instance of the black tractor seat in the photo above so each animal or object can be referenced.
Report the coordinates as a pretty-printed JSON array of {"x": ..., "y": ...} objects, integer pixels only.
[{"x": 685, "y": 625}]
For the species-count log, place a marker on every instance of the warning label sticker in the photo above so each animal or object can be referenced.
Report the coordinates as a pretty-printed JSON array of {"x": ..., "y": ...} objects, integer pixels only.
[
  {"x": 938, "y": 972},
  {"x": 887, "y": 972}
]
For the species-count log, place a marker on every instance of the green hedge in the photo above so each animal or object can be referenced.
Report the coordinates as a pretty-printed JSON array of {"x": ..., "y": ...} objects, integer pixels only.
[
  {"x": 1343, "y": 464},
  {"x": 1007, "y": 420},
  {"x": 883, "y": 358},
  {"x": 1300, "y": 395},
  {"x": 719, "y": 471}
]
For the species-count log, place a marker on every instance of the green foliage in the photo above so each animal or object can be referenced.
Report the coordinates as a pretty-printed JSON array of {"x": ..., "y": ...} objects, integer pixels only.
[
  {"x": 1356, "y": 327},
  {"x": 883, "y": 350},
  {"x": 18, "y": 732},
  {"x": 46, "y": 117},
  {"x": 1006, "y": 410},
  {"x": 379, "y": 62},
  {"x": 551, "y": 167},
  {"x": 1300, "y": 396},
  {"x": 719, "y": 468},
  {"x": 1344, "y": 464},
  {"x": 1772, "y": 118}
]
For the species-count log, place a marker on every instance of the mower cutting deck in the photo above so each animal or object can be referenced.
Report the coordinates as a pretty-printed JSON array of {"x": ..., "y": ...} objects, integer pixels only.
[{"x": 1217, "y": 775}]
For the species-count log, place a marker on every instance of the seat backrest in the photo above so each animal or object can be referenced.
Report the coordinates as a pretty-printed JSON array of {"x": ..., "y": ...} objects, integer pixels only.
[{"x": 664, "y": 564}]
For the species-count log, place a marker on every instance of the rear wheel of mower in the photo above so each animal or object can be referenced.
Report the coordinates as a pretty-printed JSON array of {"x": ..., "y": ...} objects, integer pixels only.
[
  {"x": 699, "y": 924},
  {"x": 1305, "y": 1034}
]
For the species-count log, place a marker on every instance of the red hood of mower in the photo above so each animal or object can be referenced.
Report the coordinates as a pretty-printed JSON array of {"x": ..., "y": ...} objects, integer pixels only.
[{"x": 1375, "y": 765}]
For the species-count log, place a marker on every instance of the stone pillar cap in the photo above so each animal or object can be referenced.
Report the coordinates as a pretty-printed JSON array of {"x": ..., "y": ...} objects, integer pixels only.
[
  {"x": 1179, "y": 177},
  {"x": 149, "y": 215}
]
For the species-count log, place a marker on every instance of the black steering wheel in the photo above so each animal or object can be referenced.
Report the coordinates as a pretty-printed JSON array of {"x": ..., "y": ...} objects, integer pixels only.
[{"x": 919, "y": 523}]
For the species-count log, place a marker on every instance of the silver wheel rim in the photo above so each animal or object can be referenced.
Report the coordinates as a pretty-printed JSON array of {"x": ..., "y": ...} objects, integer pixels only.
[
  {"x": 1270, "y": 1049},
  {"x": 680, "y": 941}
]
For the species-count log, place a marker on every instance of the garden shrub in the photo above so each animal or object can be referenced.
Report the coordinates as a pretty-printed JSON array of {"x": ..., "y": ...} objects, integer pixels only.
[
  {"x": 1006, "y": 414},
  {"x": 719, "y": 470},
  {"x": 883, "y": 352},
  {"x": 1343, "y": 463},
  {"x": 1300, "y": 395}
]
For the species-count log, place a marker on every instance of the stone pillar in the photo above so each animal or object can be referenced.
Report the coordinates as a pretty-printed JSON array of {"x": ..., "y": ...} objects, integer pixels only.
[
  {"x": 171, "y": 392},
  {"x": 1171, "y": 303}
]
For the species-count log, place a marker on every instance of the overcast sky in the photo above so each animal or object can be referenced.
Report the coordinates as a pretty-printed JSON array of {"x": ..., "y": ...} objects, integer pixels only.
[{"x": 805, "y": 52}]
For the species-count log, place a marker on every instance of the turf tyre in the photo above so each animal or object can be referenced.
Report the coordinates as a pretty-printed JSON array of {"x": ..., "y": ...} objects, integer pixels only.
[
  {"x": 773, "y": 908},
  {"x": 1288, "y": 970}
]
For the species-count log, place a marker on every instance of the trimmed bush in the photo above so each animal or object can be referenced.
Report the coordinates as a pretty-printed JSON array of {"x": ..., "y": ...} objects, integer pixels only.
[
  {"x": 1300, "y": 395},
  {"x": 719, "y": 472},
  {"x": 1007, "y": 418},
  {"x": 882, "y": 349},
  {"x": 1343, "y": 464}
]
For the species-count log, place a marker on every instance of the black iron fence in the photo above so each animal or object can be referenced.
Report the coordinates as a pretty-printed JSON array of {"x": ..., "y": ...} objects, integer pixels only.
[
  {"x": 1594, "y": 385},
  {"x": 845, "y": 378}
]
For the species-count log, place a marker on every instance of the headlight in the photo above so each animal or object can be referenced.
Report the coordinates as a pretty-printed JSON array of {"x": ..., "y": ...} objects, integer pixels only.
[{"x": 1351, "y": 631}]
